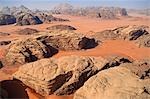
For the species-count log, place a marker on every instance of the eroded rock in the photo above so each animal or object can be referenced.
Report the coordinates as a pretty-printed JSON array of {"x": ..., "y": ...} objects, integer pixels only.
[
  {"x": 143, "y": 41},
  {"x": 27, "y": 19},
  {"x": 114, "y": 83},
  {"x": 27, "y": 31},
  {"x": 67, "y": 40},
  {"x": 4, "y": 34},
  {"x": 61, "y": 27},
  {"x": 64, "y": 75},
  {"x": 28, "y": 50},
  {"x": 4, "y": 43},
  {"x": 131, "y": 33}
]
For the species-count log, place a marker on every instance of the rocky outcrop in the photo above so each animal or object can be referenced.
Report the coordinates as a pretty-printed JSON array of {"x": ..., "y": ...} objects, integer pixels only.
[
  {"x": 4, "y": 34},
  {"x": 27, "y": 19},
  {"x": 64, "y": 75},
  {"x": 141, "y": 68},
  {"x": 143, "y": 41},
  {"x": 61, "y": 27},
  {"x": 28, "y": 50},
  {"x": 114, "y": 83},
  {"x": 106, "y": 35},
  {"x": 6, "y": 19},
  {"x": 27, "y": 31},
  {"x": 4, "y": 43},
  {"x": 131, "y": 33},
  {"x": 45, "y": 18},
  {"x": 67, "y": 40}
]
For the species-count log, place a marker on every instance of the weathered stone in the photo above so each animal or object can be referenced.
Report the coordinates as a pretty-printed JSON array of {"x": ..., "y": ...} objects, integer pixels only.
[
  {"x": 64, "y": 75},
  {"x": 114, "y": 83},
  {"x": 27, "y": 31},
  {"x": 133, "y": 32},
  {"x": 27, "y": 19},
  {"x": 4, "y": 34},
  {"x": 28, "y": 50},
  {"x": 67, "y": 40},
  {"x": 4, "y": 43},
  {"x": 143, "y": 41},
  {"x": 61, "y": 27}
]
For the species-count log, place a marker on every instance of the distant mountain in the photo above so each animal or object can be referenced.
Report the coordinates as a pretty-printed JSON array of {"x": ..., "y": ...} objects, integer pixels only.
[
  {"x": 140, "y": 11},
  {"x": 98, "y": 12}
]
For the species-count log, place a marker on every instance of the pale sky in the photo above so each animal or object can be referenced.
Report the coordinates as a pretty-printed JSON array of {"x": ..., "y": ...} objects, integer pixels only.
[{"x": 48, "y": 4}]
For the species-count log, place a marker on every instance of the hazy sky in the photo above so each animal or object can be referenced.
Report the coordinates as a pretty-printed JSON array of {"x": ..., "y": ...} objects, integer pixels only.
[{"x": 47, "y": 4}]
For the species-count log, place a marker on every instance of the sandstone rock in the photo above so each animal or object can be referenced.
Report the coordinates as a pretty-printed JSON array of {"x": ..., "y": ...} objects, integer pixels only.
[
  {"x": 64, "y": 75},
  {"x": 106, "y": 35},
  {"x": 45, "y": 18},
  {"x": 140, "y": 67},
  {"x": 67, "y": 40},
  {"x": 28, "y": 50},
  {"x": 143, "y": 41},
  {"x": 61, "y": 27},
  {"x": 114, "y": 83},
  {"x": 4, "y": 43},
  {"x": 6, "y": 19},
  {"x": 4, "y": 34},
  {"x": 27, "y": 31},
  {"x": 132, "y": 32},
  {"x": 27, "y": 19}
]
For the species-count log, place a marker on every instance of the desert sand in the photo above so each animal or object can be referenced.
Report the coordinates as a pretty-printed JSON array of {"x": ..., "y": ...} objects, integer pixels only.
[{"x": 86, "y": 26}]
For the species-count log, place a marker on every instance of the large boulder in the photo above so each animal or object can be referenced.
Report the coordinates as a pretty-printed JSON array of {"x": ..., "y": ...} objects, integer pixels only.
[
  {"x": 27, "y": 19},
  {"x": 6, "y": 19},
  {"x": 61, "y": 27},
  {"x": 114, "y": 83},
  {"x": 27, "y": 31},
  {"x": 28, "y": 50},
  {"x": 67, "y": 40},
  {"x": 64, "y": 75}
]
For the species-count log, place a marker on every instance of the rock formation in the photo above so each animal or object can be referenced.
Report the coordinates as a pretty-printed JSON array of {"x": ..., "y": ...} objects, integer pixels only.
[
  {"x": 64, "y": 75},
  {"x": 4, "y": 43},
  {"x": 114, "y": 83},
  {"x": 27, "y": 19},
  {"x": 61, "y": 27},
  {"x": 67, "y": 40},
  {"x": 45, "y": 18},
  {"x": 143, "y": 41},
  {"x": 28, "y": 50},
  {"x": 27, "y": 31},
  {"x": 6, "y": 19},
  {"x": 126, "y": 33},
  {"x": 4, "y": 34},
  {"x": 132, "y": 32}
]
